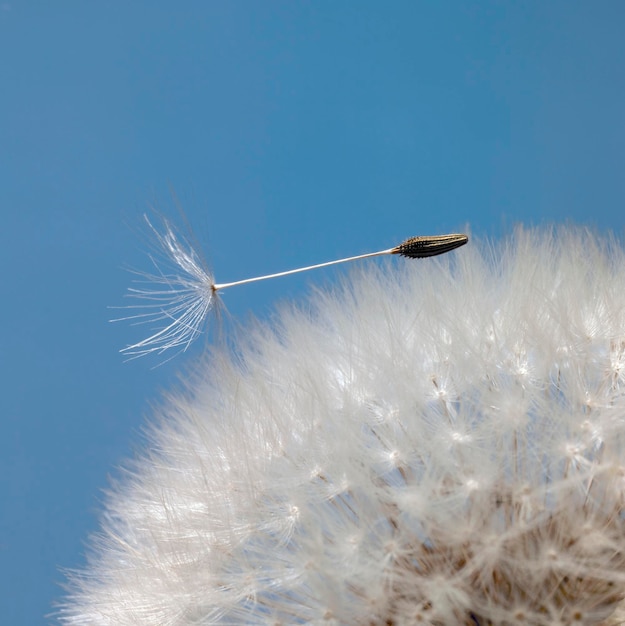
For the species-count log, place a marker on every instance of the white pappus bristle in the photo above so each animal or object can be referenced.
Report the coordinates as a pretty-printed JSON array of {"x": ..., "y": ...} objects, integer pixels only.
[{"x": 175, "y": 299}]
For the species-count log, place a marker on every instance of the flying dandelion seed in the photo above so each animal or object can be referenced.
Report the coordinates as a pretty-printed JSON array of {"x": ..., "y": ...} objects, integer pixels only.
[{"x": 177, "y": 303}]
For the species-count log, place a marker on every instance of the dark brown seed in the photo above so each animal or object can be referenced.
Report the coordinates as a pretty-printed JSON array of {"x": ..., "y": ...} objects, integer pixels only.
[{"x": 421, "y": 247}]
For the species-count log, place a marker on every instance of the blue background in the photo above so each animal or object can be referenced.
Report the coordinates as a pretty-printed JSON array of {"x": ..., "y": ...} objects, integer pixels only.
[{"x": 292, "y": 133}]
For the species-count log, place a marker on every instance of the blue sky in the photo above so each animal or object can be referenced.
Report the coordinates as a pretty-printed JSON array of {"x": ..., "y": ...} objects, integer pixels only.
[{"x": 291, "y": 133}]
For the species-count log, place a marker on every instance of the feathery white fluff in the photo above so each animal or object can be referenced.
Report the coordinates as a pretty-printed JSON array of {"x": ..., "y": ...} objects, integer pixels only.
[
  {"x": 432, "y": 442},
  {"x": 175, "y": 300}
]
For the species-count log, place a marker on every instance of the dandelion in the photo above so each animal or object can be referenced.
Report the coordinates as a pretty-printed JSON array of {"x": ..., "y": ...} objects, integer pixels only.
[
  {"x": 178, "y": 302},
  {"x": 440, "y": 444}
]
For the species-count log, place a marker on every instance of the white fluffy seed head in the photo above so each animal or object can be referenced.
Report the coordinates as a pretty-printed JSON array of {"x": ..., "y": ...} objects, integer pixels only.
[{"x": 441, "y": 443}]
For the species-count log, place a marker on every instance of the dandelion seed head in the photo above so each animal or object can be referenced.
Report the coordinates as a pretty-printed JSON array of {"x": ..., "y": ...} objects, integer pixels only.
[{"x": 436, "y": 444}]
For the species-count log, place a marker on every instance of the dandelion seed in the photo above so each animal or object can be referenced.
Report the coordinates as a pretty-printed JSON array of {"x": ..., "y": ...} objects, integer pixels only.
[{"x": 178, "y": 303}]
